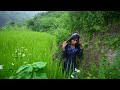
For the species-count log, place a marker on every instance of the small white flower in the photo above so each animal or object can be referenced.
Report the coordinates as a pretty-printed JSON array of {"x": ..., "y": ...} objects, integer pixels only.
[
  {"x": 1, "y": 66},
  {"x": 19, "y": 53},
  {"x": 23, "y": 55},
  {"x": 13, "y": 64}
]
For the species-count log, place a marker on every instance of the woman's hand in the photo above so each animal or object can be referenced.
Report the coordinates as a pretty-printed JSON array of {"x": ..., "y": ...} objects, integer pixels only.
[{"x": 63, "y": 45}]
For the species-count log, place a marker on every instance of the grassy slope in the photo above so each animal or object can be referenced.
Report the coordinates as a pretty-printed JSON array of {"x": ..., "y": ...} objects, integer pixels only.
[{"x": 33, "y": 46}]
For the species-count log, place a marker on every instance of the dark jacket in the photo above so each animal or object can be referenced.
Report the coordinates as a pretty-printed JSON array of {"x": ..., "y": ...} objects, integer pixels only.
[{"x": 70, "y": 55}]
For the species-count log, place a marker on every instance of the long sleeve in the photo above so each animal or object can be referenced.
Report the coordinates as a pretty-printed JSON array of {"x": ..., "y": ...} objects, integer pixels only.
[
  {"x": 80, "y": 52},
  {"x": 64, "y": 54}
]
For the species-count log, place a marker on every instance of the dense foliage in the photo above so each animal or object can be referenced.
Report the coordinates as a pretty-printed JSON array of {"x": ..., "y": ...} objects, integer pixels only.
[{"x": 99, "y": 34}]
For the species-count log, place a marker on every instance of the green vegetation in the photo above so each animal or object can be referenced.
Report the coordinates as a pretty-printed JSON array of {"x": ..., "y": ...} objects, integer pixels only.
[
  {"x": 30, "y": 71},
  {"x": 22, "y": 46},
  {"x": 40, "y": 40}
]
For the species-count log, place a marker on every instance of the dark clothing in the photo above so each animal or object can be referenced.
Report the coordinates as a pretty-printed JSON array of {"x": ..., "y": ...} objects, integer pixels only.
[{"x": 70, "y": 55}]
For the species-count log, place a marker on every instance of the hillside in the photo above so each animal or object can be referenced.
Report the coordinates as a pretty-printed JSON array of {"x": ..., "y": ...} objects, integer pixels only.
[
  {"x": 19, "y": 47},
  {"x": 16, "y": 16},
  {"x": 44, "y": 34}
]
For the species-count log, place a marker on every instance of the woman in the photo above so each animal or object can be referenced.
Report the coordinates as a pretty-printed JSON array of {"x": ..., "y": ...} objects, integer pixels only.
[{"x": 70, "y": 50}]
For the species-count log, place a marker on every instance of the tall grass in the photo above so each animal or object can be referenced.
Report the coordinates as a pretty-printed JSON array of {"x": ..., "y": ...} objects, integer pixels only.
[{"x": 18, "y": 46}]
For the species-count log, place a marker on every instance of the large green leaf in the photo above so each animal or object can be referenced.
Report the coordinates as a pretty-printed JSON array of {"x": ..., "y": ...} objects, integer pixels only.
[
  {"x": 11, "y": 77},
  {"x": 27, "y": 76},
  {"x": 25, "y": 71},
  {"x": 39, "y": 64},
  {"x": 21, "y": 68},
  {"x": 39, "y": 76},
  {"x": 25, "y": 68},
  {"x": 24, "y": 75},
  {"x": 20, "y": 75}
]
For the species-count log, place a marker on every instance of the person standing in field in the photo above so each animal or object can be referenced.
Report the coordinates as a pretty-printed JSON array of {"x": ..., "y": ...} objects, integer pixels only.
[{"x": 71, "y": 49}]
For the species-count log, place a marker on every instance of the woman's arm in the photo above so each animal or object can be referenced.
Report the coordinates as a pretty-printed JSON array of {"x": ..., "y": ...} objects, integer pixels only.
[
  {"x": 64, "y": 54},
  {"x": 80, "y": 50},
  {"x": 80, "y": 53}
]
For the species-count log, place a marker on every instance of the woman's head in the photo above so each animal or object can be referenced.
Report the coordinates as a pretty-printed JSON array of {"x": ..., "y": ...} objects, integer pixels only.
[{"x": 75, "y": 39}]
